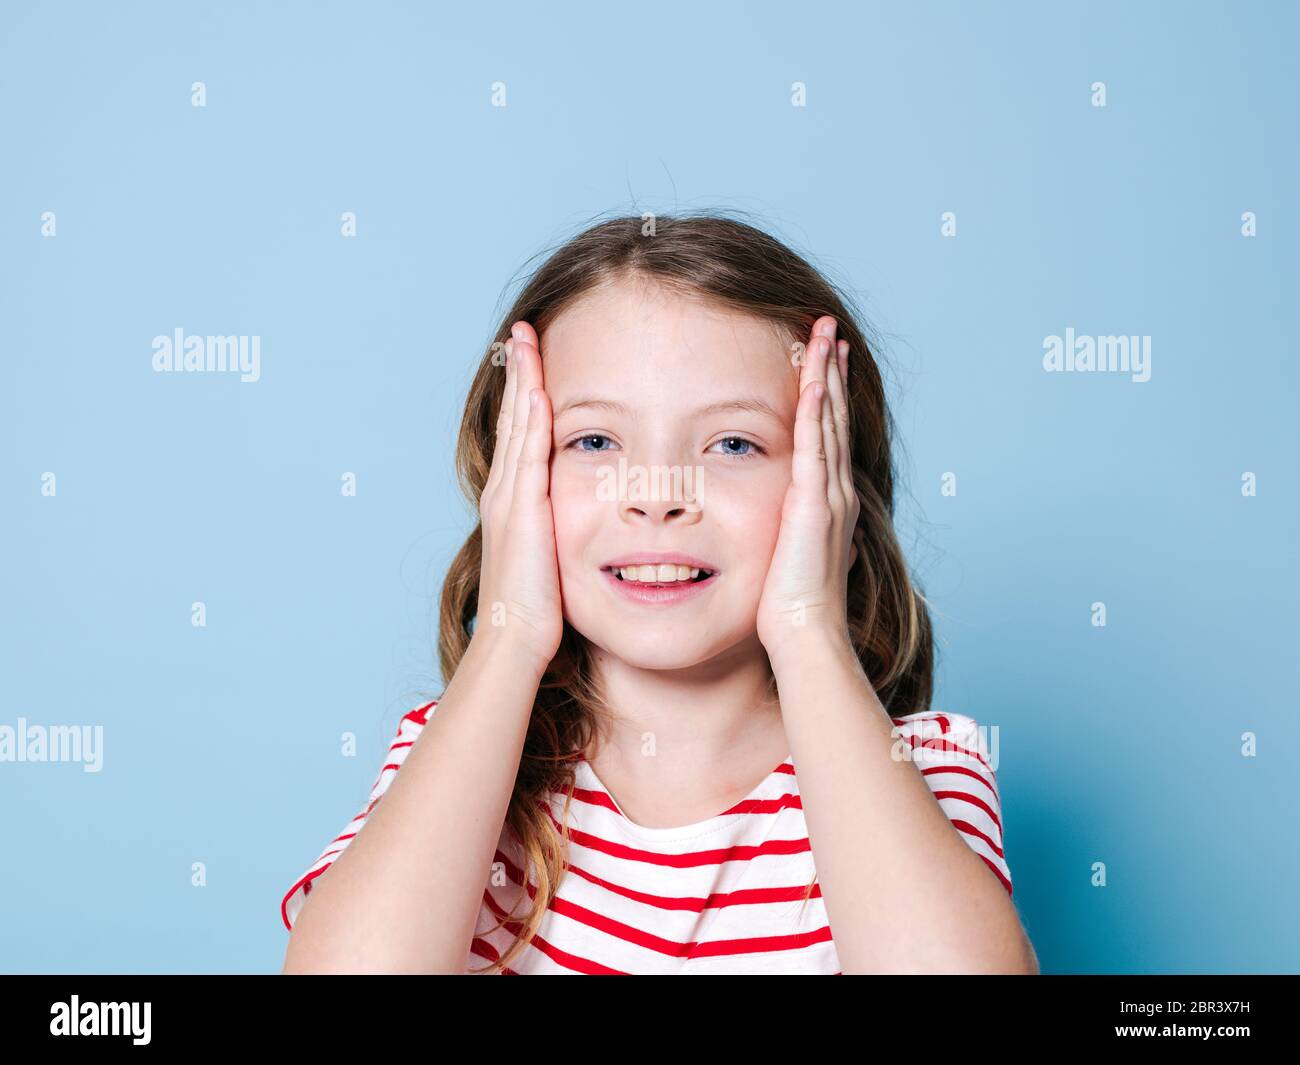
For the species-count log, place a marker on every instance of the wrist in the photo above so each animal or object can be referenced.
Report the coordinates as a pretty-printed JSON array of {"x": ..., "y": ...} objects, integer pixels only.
[
  {"x": 503, "y": 651},
  {"x": 810, "y": 649}
]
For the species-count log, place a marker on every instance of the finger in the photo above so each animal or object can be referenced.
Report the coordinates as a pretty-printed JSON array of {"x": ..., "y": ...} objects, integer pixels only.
[
  {"x": 528, "y": 376},
  {"x": 830, "y": 438},
  {"x": 806, "y": 366},
  {"x": 809, "y": 464},
  {"x": 846, "y": 465},
  {"x": 805, "y": 360},
  {"x": 823, "y": 327},
  {"x": 532, "y": 482},
  {"x": 505, "y": 418},
  {"x": 841, "y": 472},
  {"x": 823, "y": 368}
]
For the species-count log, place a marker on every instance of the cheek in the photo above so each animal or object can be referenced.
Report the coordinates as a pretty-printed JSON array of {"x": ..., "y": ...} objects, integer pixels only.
[
  {"x": 574, "y": 508},
  {"x": 750, "y": 514}
]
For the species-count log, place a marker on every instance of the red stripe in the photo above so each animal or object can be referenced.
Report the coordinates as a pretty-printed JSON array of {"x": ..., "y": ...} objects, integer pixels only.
[
  {"x": 716, "y": 901},
  {"x": 643, "y": 938},
  {"x": 1005, "y": 882},
  {"x": 484, "y": 949},
  {"x": 597, "y": 797},
  {"x": 937, "y": 744},
  {"x": 418, "y": 715},
  {"x": 648, "y": 940},
  {"x": 284, "y": 905},
  {"x": 766, "y": 806},
  {"x": 560, "y": 957},
  {"x": 694, "y": 949},
  {"x": 626, "y": 932},
  {"x": 971, "y": 830},
  {"x": 690, "y": 903},
  {"x": 964, "y": 797},
  {"x": 942, "y": 719},
  {"x": 762, "y": 944},
  {"x": 690, "y": 859},
  {"x": 961, "y": 769},
  {"x": 594, "y": 797},
  {"x": 940, "y": 744}
]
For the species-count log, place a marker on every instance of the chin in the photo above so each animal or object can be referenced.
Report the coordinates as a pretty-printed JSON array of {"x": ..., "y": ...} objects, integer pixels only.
[{"x": 658, "y": 647}]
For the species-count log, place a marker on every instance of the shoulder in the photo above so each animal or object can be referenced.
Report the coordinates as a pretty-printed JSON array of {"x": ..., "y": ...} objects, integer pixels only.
[
  {"x": 413, "y": 721},
  {"x": 409, "y": 728},
  {"x": 934, "y": 723},
  {"x": 957, "y": 757},
  {"x": 949, "y": 741}
]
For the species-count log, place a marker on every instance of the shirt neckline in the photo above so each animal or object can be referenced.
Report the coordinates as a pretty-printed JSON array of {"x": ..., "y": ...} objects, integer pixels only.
[{"x": 587, "y": 778}]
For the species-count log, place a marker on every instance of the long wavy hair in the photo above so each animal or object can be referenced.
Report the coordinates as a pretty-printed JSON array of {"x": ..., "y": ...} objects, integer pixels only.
[{"x": 739, "y": 267}]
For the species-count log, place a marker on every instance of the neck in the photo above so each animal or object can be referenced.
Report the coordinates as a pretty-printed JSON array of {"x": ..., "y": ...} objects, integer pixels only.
[{"x": 722, "y": 713}]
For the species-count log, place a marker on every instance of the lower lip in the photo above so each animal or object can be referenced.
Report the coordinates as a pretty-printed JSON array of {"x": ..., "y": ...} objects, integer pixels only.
[{"x": 659, "y": 593}]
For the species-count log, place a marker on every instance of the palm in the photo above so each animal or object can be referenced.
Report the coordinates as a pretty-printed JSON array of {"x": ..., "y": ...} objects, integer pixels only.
[
  {"x": 806, "y": 584},
  {"x": 795, "y": 587}
]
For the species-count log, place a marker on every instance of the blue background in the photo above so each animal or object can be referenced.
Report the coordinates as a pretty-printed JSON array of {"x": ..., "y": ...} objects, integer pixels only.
[{"x": 1119, "y": 744}]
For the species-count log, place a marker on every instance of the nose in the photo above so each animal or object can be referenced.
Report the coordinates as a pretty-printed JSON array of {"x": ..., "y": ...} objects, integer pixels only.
[
  {"x": 660, "y": 512},
  {"x": 674, "y": 495}
]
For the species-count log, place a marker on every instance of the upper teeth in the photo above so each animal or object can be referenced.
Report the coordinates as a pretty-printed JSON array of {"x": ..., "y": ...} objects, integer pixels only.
[{"x": 658, "y": 574}]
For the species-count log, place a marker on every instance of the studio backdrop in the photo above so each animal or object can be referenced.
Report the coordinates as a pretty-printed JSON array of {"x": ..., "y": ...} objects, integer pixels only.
[{"x": 1074, "y": 226}]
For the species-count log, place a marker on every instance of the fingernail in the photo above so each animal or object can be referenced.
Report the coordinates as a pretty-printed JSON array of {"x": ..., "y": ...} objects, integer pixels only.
[{"x": 517, "y": 331}]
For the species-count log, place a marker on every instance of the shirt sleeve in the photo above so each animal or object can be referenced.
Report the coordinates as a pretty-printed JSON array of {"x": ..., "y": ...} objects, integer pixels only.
[
  {"x": 955, "y": 763},
  {"x": 408, "y": 729}
]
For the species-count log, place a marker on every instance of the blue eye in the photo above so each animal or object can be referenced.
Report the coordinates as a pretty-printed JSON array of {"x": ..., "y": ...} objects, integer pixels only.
[
  {"x": 742, "y": 440},
  {"x": 590, "y": 436},
  {"x": 757, "y": 450}
]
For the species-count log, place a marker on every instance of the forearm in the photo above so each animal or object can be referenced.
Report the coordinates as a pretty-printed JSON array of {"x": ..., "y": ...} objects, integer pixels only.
[
  {"x": 903, "y": 891},
  {"x": 405, "y": 894}
]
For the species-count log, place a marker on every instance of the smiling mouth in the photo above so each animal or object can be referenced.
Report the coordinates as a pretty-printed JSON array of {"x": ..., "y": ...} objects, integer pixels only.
[{"x": 699, "y": 578}]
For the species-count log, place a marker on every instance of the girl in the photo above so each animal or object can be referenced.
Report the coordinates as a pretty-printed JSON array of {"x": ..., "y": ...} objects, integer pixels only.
[{"x": 685, "y": 583}]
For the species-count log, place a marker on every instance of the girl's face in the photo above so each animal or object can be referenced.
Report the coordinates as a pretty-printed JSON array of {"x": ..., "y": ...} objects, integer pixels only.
[{"x": 664, "y": 360}]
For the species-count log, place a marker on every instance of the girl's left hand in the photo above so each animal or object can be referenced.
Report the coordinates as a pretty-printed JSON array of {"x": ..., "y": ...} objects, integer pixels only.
[{"x": 805, "y": 592}]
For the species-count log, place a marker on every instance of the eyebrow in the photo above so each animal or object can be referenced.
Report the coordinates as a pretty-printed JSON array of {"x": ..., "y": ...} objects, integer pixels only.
[{"x": 752, "y": 405}]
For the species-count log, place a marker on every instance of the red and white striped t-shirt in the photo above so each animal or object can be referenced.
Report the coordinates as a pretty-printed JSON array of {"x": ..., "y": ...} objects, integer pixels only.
[{"x": 719, "y": 896}]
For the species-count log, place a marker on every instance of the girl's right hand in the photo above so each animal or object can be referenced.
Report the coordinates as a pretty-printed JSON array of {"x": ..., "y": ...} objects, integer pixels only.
[{"x": 519, "y": 580}]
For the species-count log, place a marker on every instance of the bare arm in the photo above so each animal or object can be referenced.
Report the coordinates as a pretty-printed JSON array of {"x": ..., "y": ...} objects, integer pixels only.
[
  {"x": 405, "y": 895},
  {"x": 904, "y": 891}
]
